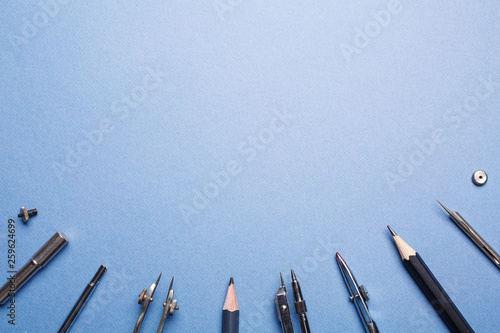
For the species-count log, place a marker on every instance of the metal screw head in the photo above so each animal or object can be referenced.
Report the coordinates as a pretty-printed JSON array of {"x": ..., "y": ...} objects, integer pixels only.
[
  {"x": 173, "y": 307},
  {"x": 479, "y": 178},
  {"x": 26, "y": 214},
  {"x": 363, "y": 292},
  {"x": 142, "y": 296}
]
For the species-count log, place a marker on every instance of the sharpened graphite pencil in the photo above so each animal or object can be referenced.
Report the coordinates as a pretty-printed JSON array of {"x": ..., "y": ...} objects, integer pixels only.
[
  {"x": 230, "y": 311},
  {"x": 431, "y": 288}
]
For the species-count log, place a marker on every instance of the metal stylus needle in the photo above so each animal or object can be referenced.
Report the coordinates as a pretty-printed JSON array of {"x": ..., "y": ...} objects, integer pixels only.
[
  {"x": 283, "y": 308},
  {"x": 469, "y": 231},
  {"x": 145, "y": 298},
  {"x": 300, "y": 304}
]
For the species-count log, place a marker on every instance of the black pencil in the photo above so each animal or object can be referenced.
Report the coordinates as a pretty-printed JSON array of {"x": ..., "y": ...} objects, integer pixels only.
[
  {"x": 431, "y": 288},
  {"x": 230, "y": 311}
]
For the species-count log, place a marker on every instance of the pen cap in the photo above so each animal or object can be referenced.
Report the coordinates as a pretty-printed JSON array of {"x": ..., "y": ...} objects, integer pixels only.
[{"x": 49, "y": 249}]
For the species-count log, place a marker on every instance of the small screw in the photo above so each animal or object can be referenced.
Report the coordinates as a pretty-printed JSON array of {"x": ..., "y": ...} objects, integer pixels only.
[
  {"x": 142, "y": 296},
  {"x": 26, "y": 214}
]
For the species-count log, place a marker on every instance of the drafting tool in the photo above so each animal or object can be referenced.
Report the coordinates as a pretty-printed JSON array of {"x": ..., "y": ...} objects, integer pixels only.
[
  {"x": 87, "y": 292},
  {"x": 430, "y": 286},
  {"x": 300, "y": 305},
  {"x": 37, "y": 262},
  {"x": 169, "y": 307},
  {"x": 145, "y": 298},
  {"x": 283, "y": 308},
  {"x": 359, "y": 296},
  {"x": 230, "y": 311},
  {"x": 473, "y": 235}
]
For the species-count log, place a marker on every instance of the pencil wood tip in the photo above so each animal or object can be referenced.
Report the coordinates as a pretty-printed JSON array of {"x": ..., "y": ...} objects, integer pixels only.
[{"x": 231, "y": 302}]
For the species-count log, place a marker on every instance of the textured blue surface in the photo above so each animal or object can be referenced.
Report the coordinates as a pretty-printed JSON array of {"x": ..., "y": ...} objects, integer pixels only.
[{"x": 116, "y": 118}]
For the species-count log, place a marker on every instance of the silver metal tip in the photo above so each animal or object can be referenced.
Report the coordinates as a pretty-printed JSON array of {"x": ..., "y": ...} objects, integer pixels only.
[
  {"x": 171, "y": 283},
  {"x": 339, "y": 258},
  {"x": 158, "y": 281},
  {"x": 446, "y": 209},
  {"x": 393, "y": 233}
]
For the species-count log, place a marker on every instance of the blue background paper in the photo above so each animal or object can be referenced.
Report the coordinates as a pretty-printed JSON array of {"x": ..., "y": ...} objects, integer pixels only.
[{"x": 121, "y": 162}]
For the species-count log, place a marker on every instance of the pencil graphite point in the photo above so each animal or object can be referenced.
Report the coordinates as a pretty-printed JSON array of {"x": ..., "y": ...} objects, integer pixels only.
[
  {"x": 404, "y": 249},
  {"x": 293, "y": 276},
  {"x": 282, "y": 282},
  {"x": 231, "y": 302}
]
